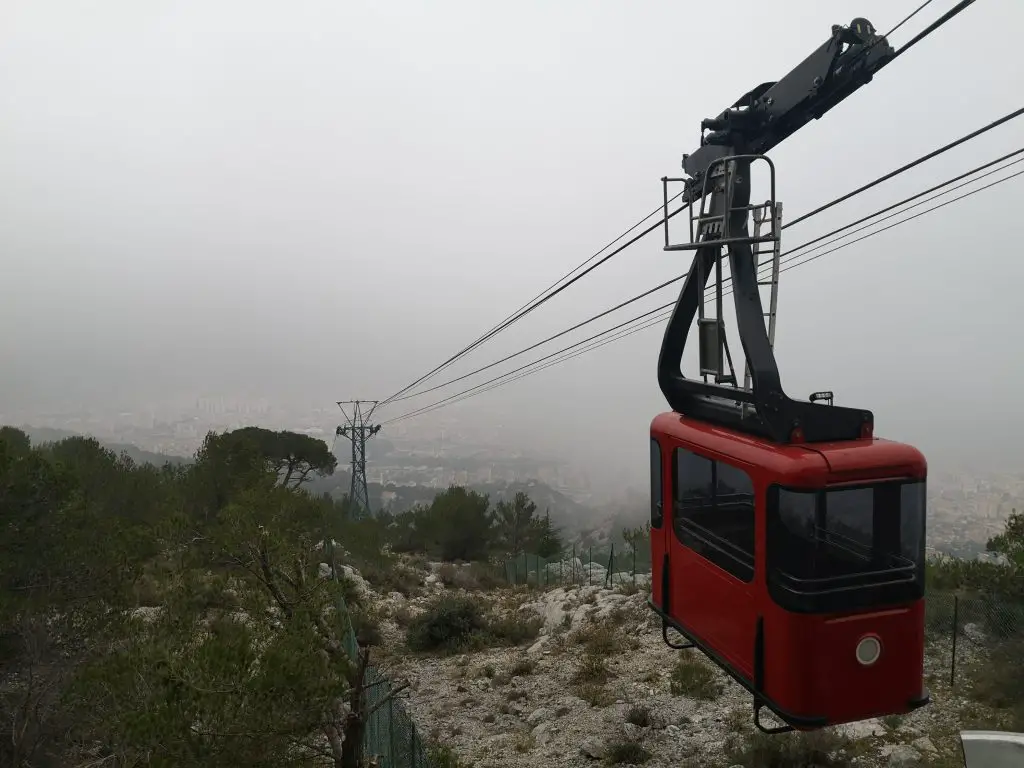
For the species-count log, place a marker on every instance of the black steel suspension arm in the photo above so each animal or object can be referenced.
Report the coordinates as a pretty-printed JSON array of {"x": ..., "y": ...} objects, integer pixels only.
[
  {"x": 720, "y": 168},
  {"x": 762, "y": 118},
  {"x": 774, "y": 415}
]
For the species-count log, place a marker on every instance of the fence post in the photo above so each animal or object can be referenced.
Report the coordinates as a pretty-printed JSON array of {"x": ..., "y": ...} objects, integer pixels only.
[
  {"x": 956, "y": 629},
  {"x": 573, "y": 563},
  {"x": 391, "y": 733},
  {"x": 610, "y": 577},
  {"x": 590, "y": 574},
  {"x": 634, "y": 565}
]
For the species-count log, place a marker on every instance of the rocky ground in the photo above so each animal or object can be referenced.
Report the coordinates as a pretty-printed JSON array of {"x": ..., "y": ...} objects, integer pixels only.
[{"x": 598, "y": 684}]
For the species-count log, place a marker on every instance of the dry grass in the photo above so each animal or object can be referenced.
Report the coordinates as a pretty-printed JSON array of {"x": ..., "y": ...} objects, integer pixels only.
[
  {"x": 693, "y": 678},
  {"x": 591, "y": 669}
]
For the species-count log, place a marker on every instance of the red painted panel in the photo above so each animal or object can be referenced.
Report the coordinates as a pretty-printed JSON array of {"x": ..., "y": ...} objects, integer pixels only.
[{"x": 810, "y": 664}]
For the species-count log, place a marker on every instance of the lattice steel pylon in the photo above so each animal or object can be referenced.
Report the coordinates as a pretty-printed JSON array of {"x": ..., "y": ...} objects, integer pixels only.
[{"x": 358, "y": 429}]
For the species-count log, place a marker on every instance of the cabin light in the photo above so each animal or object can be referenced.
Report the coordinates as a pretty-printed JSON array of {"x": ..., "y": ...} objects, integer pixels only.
[{"x": 868, "y": 650}]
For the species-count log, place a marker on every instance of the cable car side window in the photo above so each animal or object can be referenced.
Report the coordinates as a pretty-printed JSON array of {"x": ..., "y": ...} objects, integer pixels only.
[
  {"x": 657, "y": 506},
  {"x": 843, "y": 548},
  {"x": 714, "y": 512}
]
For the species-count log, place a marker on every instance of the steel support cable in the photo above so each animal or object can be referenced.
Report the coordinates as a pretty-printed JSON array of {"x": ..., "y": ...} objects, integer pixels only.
[
  {"x": 651, "y": 319},
  {"x": 960, "y": 7},
  {"x": 897, "y": 223},
  {"x": 541, "y": 343},
  {"x": 956, "y": 10},
  {"x": 912, "y": 164},
  {"x": 560, "y": 351},
  {"x": 541, "y": 299},
  {"x": 590, "y": 259},
  {"x": 788, "y": 255},
  {"x": 520, "y": 372},
  {"x": 791, "y": 254},
  {"x": 911, "y": 15}
]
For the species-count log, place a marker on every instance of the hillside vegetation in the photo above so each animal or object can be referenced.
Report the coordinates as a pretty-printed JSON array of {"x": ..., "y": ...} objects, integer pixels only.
[
  {"x": 181, "y": 616},
  {"x": 177, "y": 615}
]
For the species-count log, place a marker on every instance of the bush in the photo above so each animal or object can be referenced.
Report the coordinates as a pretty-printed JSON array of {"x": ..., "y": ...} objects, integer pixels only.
[
  {"x": 447, "y": 573},
  {"x": 591, "y": 670},
  {"x": 454, "y": 623},
  {"x": 523, "y": 666},
  {"x": 391, "y": 576},
  {"x": 442, "y": 756},
  {"x": 599, "y": 639},
  {"x": 366, "y": 627},
  {"x": 814, "y": 749},
  {"x": 479, "y": 577},
  {"x": 999, "y": 681},
  {"x": 627, "y": 752},
  {"x": 595, "y": 694},
  {"x": 691, "y": 677},
  {"x": 640, "y": 716},
  {"x": 449, "y": 623},
  {"x": 513, "y": 630}
]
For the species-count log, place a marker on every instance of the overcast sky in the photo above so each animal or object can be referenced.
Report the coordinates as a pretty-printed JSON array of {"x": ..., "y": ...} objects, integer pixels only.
[{"x": 313, "y": 201}]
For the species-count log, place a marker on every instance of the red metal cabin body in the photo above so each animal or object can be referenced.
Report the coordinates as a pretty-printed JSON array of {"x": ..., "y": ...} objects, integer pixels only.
[{"x": 797, "y": 568}]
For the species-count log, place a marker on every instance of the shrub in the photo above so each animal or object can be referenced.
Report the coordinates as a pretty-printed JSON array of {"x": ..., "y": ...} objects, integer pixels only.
[
  {"x": 391, "y": 576},
  {"x": 591, "y": 670},
  {"x": 627, "y": 752},
  {"x": 523, "y": 666},
  {"x": 595, "y": 694},
  {"x": 512, "y": 630},
  {"x": 366, "y": 627},
  {"x": 599, "y": 639},
  {"x": 524, "y": 743},
  {"x": 999, "y": 681},
  {"x": 628, "y": 588},
  {"x": 449, "y": 623},
  {"x": 640, "y": 716},
  {"x": 457, "y": 623},
  {"x": 447, "y": 573},
  {"x": 821, "y": 749},
  {"x": 691, "y": 677},
  {"x": 442, "y": 756},
  {"x": 479, "y": 576}
]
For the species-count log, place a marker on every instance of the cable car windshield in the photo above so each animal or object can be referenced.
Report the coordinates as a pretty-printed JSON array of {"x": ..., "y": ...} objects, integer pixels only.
[{"x": 847, "y": 547}]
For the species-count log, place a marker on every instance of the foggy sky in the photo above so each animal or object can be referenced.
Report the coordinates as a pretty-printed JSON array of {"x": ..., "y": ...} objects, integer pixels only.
[{"x": 313, "y": 201}]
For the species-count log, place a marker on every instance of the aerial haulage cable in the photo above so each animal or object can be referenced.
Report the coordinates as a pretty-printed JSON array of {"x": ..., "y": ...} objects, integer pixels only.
[
  {"x": 546, "y": 295},
  {"x": 658, "y": 314},
  {"x": 406, "y": 394},
  {"x": 788, "y": 255},
  {"x": 552, "y": 291}
]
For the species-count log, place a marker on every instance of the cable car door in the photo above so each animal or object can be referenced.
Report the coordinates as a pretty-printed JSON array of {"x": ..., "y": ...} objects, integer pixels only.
[
  {"x": 659, "y": 542},
  {"x": 712, "y": 556}
]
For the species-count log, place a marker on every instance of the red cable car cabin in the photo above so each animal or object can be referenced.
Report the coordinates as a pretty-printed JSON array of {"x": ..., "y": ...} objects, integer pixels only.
[
  {"x": 787, "y": 542},
  {"x": 797, "y": 568}
]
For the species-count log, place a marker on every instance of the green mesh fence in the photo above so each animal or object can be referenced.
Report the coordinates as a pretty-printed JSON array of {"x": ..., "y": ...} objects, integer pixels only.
[
  {"x": 581, "y": 566},
  {"x": 973, "y": 631},
  {"x": 391, "y": 737}
]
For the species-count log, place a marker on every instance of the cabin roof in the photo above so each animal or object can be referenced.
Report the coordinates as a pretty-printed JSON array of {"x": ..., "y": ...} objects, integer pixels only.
[{"x": 834, "y": 462}]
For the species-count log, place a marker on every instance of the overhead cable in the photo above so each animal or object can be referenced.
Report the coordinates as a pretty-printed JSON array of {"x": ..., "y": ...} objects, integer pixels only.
[
  {"x": 649, "y": 319},
  {"x": 787, "y": 255}
]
